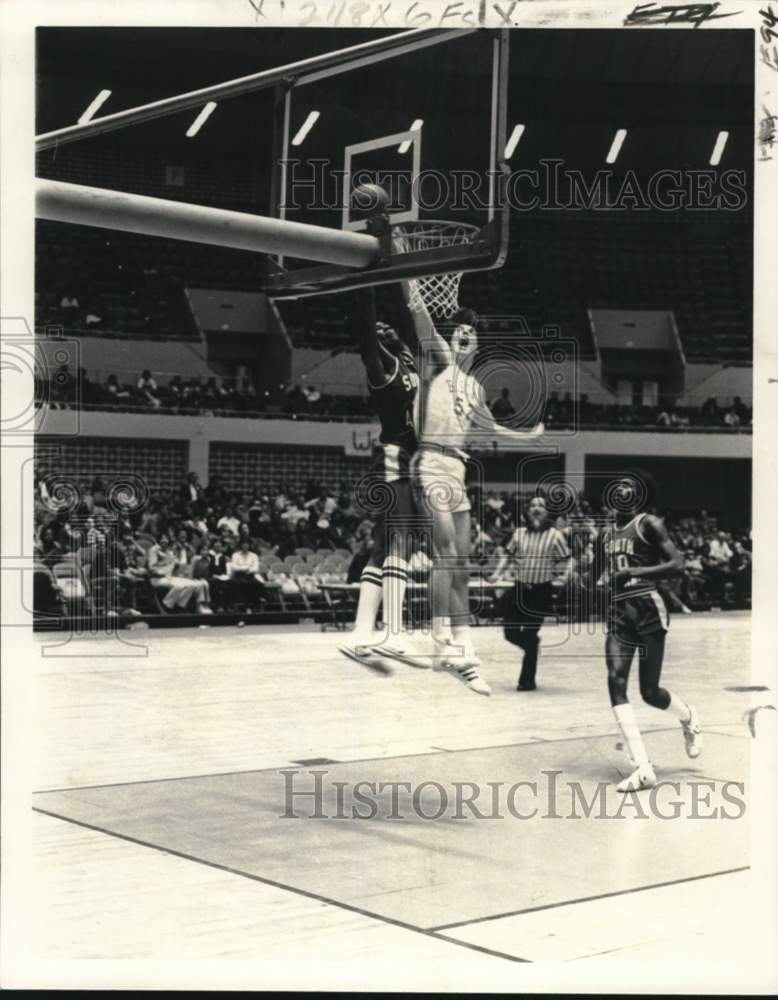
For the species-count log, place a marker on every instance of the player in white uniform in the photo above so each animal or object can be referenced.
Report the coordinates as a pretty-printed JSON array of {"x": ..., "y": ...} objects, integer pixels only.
[{"x": 452, "y": 409}]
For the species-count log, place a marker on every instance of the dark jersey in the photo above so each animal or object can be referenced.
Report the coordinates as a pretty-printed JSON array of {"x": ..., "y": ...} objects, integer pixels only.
[
  {"x": 627, "y": 547},
  {"x": 394, "y": 402}
]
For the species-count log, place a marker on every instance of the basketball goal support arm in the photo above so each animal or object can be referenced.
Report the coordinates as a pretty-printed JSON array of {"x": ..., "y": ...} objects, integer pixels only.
[
  {"x": 363, "y": 327},
  {"x": 89, "y": 206},
  {"x": 305, "y": 71}
]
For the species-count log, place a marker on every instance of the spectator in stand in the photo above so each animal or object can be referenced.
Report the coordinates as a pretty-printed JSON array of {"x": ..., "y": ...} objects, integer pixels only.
[
  {"x": 254, "y": 513},
  {"x": 321, "y": 506},
  {"x": 731, "y": 418},
  {"x": 229, "y": 522},
  {"x": 190, "y": 396},
  {"x": 191, "y": 492},
  {"x": 152, "y": 519},
  {"x": 92, "y": 534},
  {"x": 719, "y": 551},
  {"x": 296, "y": 401},
  {"x": 311, "y": 394},
  {"x": 216, "y": 493},
  {"x": 663, "y": 418},
  {"x": 41, "y": 484},
  {"x": 710, "y": 411},
  {"x": 134, "y": 576},
  {"x": 717, "y": 564},
  {"x": 100, "y": 562},
  {"x": 175, "y": 390},
  {"x": 227, "y": 395},
  {"x": 218, "y": 573},
  {"x": 295, "y": 512},
  {"x": 209, "y": 397},
  {"x": 180, "y": 590},
  {"x": 694, "y": 590},
  {"x": 184, "y": 553},
  {"x": 112, "y": 589},
  {"x": 742, "y": 411},
  {"x": 363, "y": 533},
  {"x": 200, "y": 524},
  {"x": 740, "y": 571},
  {"x": 51, "y": 551},
  {"x": 502, "y": 408},
  {"x": 114, "y": 390},
  {"x": 147, "y": 389},
  {"x": 67, "y": 536},
  {"x": 245, "y": 579},
  {"x": 248, "y": 391},
  {"x": 131, "y": 546}
]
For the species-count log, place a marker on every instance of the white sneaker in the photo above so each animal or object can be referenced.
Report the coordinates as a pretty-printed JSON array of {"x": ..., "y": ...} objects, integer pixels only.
[
  {"x": 395, "y": 649},
  {"x": 642, "y": 777},
  {"x": 443, "y": 652},
  {"x": 462, "y": 665},
  {"x": 361, "y": 650},
  {"x": 692, "y": 734}
]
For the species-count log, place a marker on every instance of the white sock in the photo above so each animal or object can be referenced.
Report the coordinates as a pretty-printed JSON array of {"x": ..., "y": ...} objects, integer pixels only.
[
  {"x": 370, "y": 594},
  {"x": 441, "y": 628},
  {"x": 678, "y": 708},
  {"x": 395, "y": 580},
  {"x": 460, "y": 635},
  {"x": 625, "y": 716}
]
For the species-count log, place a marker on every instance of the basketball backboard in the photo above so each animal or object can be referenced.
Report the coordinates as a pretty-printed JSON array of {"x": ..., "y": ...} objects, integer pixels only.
[{"x": 428, "y": 124}]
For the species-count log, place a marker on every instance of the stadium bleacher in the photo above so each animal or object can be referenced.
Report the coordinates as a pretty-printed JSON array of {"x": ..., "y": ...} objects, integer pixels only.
[{"x": 561, "y": 264}]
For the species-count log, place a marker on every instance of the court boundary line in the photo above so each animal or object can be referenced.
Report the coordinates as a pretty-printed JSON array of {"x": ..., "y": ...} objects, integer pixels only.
[
  {"x": 535, "y": 742},
  {"x": 317, "y": 897},
  {"x": 588, "y": 899}
]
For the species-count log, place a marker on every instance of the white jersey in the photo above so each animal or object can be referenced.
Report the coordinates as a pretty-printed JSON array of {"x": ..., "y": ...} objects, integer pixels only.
[{"x": 448, "y": 408}]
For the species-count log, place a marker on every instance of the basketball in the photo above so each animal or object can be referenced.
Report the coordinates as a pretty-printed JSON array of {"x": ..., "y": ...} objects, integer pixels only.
[{"x": 370, "y": 198}]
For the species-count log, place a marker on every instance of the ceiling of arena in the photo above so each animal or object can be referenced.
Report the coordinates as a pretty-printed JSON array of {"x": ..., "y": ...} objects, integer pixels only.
[{"x": 683, "y": 78}]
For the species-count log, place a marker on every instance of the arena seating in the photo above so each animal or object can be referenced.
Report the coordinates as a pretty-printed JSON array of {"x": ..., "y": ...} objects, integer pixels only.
[
  {"x": 561, "y": 264},
  {"x": 94, "y": 558}
]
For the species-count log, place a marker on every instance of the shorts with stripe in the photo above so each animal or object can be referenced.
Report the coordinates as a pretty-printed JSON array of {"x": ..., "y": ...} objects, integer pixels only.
[
  {"x": 630, "y": 618},
  {"x": 391, "y": 463},
  {"x": 388, "y": 485},
  {"x": 439, "y": 482}
]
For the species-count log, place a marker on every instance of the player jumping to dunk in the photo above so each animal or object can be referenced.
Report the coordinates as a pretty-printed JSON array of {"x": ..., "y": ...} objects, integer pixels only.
[
  {"x": 392, "y": 382},
  {"x": 452, "y": 409},
  {"x": 636, "y": 552}
]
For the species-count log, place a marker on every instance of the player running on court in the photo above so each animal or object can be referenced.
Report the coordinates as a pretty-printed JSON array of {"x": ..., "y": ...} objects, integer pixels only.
[
  {"x": 392, "y": 383},
  {"x": 637, "y": 552}
]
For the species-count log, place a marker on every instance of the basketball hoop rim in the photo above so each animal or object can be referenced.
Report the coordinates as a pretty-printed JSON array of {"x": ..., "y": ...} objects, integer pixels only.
[{"x": 434, "y": 227}]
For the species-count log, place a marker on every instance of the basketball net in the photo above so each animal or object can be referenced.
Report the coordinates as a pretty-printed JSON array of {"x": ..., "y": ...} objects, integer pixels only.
[{"x": 439, "y": 293}]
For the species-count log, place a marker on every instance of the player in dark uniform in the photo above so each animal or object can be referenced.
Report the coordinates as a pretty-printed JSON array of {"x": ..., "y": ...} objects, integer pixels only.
[
  {"x": 635, "y": 553},
  {"x": 392, "y": 384}
]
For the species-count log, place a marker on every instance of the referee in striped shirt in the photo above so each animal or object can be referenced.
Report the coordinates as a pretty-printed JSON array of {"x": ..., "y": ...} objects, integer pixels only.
[{"x": 543, "y": 561}]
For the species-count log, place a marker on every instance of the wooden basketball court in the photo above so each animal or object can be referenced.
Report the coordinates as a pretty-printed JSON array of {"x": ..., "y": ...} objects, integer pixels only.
[{"x": 163, "y": 780}]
